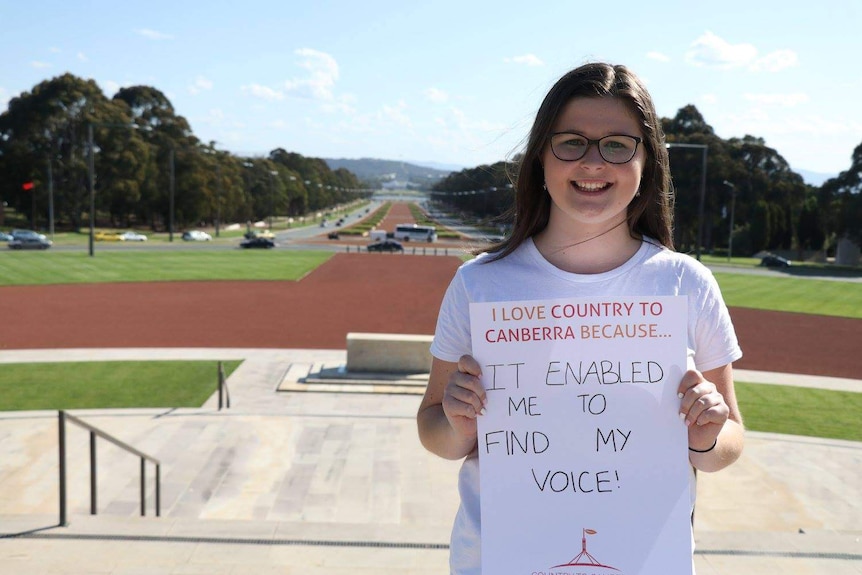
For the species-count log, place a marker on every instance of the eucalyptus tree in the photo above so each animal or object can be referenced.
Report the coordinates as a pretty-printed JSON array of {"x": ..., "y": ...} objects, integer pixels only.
[
  {"x": 49, "y": 125},
  {"x": 841, "y": 201},
  {"x": 177, "y": 163}
]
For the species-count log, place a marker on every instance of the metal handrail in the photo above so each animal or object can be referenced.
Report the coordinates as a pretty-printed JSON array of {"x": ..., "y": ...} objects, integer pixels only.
[
  {"x": 94, "y": 431},
  {"x": 223, "y": 391}
]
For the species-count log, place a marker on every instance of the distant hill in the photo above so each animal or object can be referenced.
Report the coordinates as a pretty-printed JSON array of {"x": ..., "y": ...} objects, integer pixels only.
[{"x": 374, "y": 170}]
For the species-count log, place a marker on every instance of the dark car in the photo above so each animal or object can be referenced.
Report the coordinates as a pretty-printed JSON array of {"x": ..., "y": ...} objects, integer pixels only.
[
  {"x": 773, "y": 261},
  {"x": 257, "y": 242},
  {"x": 386, "y": 246},
  {"x": 37, "y": 242},
  {"x": 332, "y": 235}
]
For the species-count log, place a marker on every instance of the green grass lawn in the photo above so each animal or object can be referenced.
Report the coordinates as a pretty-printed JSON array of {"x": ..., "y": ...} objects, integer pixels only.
[
  {"x": 38, "y": 268},
  {"x": 109, "y": 384},
  {"x": 823, "y": 297},
  {"x": 800, "y": 410},
  {"x": 778, "y": 409}
]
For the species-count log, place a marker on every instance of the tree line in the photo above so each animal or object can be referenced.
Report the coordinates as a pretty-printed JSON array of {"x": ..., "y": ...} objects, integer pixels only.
[
  {"x": 147, "y": 163},
  {"x": 772, "y": 207}
]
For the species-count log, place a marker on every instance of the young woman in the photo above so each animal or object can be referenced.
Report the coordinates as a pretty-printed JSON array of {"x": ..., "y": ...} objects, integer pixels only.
[{"x": 592, "y": 218}]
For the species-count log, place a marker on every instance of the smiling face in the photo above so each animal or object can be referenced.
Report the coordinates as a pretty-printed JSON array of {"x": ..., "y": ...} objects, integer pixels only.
[{"x": 591, "y": 195}]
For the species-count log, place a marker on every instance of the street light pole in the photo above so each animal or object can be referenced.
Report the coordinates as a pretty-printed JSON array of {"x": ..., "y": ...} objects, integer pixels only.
[
  {"x": 732, "y": 208},
  {"x": 703, "y": 148},
  {"x": 274, "y": 174},
  {"x": 218, "y": 199},
  {"x": 50, "y": 199},
  {"x": 171, "y": 200},
  {"x": 91, "y": 168}
]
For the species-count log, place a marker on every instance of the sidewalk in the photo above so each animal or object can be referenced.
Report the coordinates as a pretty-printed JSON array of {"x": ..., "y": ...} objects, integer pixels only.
[{"x": 338, "y": 483}]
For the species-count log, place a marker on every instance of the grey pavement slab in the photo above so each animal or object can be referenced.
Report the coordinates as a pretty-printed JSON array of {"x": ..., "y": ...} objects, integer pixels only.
[{"x": 337, "y": 482}]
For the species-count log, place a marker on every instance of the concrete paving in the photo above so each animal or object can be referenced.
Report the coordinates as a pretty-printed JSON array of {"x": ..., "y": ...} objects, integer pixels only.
[{"x": 336, "y": 482}]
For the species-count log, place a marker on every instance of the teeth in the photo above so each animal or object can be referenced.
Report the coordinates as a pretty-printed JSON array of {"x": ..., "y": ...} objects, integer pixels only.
[{"x": 591, "y": 186}]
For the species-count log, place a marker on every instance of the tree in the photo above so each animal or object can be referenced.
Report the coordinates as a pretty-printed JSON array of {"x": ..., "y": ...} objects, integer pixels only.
[
  {"x": 50, "y": 124},
  {"x": 811, "y": 236},
  {"x": 841, "y": 199}
]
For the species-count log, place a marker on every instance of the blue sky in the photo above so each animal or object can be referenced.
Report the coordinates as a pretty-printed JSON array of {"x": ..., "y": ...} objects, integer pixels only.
[{"x": 450, "y": 82}]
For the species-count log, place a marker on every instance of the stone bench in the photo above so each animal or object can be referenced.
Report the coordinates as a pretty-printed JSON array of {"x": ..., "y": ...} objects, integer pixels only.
[{"x": 388, "y": 353}]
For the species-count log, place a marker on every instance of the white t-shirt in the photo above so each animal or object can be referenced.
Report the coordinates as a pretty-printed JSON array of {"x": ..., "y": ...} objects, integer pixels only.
[{"x": 526, "y": 275}]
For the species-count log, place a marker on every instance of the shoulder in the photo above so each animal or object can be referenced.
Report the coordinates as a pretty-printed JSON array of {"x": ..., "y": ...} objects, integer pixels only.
[
  {"x": 681, "y": 266},
  {"x": 487, "y": 264}
]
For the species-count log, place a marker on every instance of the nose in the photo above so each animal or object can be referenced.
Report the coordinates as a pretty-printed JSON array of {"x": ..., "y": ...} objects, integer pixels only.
[{"x": 593, "y": 156}]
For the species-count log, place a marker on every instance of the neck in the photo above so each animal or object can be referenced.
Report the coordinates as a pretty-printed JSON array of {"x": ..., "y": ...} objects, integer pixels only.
[{"x": 587, "y": 251}]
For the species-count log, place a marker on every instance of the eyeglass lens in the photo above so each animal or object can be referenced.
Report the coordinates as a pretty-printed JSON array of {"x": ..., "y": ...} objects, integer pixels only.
[{"x": 615, "y": 149}]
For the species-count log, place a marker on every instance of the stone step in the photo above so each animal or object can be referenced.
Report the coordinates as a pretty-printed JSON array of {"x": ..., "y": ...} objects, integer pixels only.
[{"x": 334, "y": 378}]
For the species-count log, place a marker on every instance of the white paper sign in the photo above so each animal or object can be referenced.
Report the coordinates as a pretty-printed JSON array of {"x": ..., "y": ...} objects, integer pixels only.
[{"x": 583, "y": 457}]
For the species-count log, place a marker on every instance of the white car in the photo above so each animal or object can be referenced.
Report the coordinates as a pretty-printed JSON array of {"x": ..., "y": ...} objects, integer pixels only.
[
  {"x": 196, "y": 236},
  {"x": 133, "y": 237}
]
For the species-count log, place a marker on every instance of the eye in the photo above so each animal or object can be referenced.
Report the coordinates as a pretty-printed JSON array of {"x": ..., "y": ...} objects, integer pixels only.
[
  {"x": 572, "y": 140},
  {"x": 616, "y": 144}
]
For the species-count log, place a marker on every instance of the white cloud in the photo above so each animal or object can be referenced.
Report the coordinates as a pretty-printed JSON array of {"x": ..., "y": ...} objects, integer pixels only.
[
  {"x": 38, "y": 64},
  {"x": 658, "y": 56},
  {"x": 200, "y": 84},
  {"x": 712, "y": 51},
  {"x": 323, "y": 73},
  {"x": 783, "y": 100},
  {"x": 709, "y": 99},
  {"x": 776, "y": 61},
  {"x": 396, "y": 114},
  {"x": 436, "y": 95},
  {"x": 263, "y": 92},
  {"x": 343, "y": 104},
  {"x": 153, "y": 34},
  {"x": 83, "y": 57},
  {"x": 527, "y": 59}
]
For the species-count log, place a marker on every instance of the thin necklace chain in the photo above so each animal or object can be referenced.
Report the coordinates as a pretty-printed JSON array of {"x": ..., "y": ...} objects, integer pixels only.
[{"x": 589, "y": 239}]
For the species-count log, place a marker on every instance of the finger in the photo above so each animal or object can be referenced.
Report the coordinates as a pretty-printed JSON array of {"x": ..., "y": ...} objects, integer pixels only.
[
  {"x": 707, "y": 409},
  {"x": 468, "y": 375},
  {"x": 466, "y": 397},
  {"x": 468, "y": 364},
  {"x": 694, "y": 393},
  {"x": 714, "y": 414},
  {"x": 691, "y": 378}
]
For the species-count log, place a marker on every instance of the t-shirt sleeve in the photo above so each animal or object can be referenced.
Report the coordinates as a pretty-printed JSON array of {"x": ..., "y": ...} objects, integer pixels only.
[
  {"x": 452, "y": 337},
  {"x": 715, "y": 337}
]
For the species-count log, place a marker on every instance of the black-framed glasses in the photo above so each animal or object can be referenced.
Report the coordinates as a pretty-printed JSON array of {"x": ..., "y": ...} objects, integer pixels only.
[{"x": 614, "y": 149}]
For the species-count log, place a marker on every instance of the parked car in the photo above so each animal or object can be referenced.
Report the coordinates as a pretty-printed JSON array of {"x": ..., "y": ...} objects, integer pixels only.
[
  {"x": 196, "y": 236},
  {"x": 108, "y": 236},
  {"x": 131, "y": 236},
  {"x": 19, "y": 234},
  {"x": 4, "y": 237},
  {"x": 258, "y": 242},
  {"x": 385, "y": 246},
  {"x": 773, "y": 261},
  {"x": 35, "y": 242},
  {"x": 332, "y": 235},
  {"x": 259, "y": 234}
]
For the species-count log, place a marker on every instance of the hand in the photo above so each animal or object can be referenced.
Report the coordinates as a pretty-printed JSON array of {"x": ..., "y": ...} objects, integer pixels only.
[
  {"x": 704, "y": 409},
  {"x": 464, "y": 398}
]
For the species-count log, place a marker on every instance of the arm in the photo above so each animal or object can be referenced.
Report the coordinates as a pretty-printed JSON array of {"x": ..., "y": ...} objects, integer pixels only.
[
  {"x": 447, "y": 415},
  {"x": 708, "y": 403}
]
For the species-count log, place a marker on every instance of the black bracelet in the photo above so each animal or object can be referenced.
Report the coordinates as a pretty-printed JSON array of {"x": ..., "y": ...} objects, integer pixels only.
[{"x": 714, "y": 443}]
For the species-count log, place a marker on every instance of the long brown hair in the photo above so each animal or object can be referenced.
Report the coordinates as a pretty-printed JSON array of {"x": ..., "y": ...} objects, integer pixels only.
[{"x": 650, "y": 213}]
